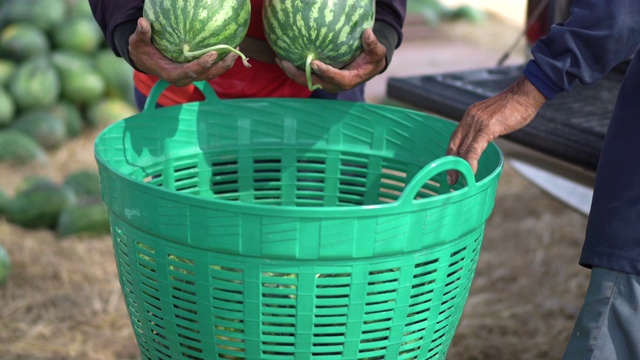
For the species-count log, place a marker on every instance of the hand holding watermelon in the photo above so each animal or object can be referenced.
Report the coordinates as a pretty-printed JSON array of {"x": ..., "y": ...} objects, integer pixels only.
[
  {"x": 363, "y": 68},
  {"x": 146, "y": 57},
  {"x": 321, "y": 36}
]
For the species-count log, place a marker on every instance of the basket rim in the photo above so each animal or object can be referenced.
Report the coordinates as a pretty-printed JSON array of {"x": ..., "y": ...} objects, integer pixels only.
[{"x": 301, "y": 211}]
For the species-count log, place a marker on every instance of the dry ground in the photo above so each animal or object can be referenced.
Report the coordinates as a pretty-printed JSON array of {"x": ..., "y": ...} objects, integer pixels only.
[{"x": 63, "y": 299}]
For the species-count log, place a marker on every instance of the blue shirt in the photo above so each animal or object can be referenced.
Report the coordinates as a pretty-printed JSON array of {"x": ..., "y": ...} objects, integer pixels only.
[{"x": 597, "y": 36}]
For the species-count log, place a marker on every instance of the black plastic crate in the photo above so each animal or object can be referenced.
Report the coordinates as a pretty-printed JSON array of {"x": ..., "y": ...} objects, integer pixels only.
[{"x": 571, "y": 127}]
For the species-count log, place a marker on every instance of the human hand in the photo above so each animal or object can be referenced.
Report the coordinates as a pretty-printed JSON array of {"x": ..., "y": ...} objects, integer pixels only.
[
  {"x": 146, "y": 57},
  {"x": 363, "y": 68},
  {"x": 484, "y": 121}
]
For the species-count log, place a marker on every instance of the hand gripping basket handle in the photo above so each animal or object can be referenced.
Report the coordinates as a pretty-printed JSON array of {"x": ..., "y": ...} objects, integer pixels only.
[
  {"x": 136, "y": 143},
  {"x": 162, "y": 85},
  {"x": 434, "y": 168}
]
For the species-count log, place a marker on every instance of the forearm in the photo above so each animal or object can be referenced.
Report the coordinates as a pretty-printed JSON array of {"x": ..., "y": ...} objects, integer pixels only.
[
  {"x": 117, "y": 19},
  {"x": 121, "y": 37},
  {"x": 390, "y": 17},
  {"x": 597, "y": 36}
]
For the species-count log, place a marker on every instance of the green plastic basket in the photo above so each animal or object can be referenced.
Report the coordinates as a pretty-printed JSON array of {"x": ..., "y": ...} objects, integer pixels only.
[{"x": 292, "y": 228}]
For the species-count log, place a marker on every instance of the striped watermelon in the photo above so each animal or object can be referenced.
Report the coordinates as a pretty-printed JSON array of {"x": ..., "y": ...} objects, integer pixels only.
[
  {"x": 301, "y": 31},
  {"x": 187, "y": 29}
]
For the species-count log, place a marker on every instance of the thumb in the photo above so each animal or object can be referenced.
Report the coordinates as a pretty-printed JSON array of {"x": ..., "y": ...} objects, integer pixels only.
[
  {"x": 144, "y": 28},
  {"x": 369, "y": 40}
]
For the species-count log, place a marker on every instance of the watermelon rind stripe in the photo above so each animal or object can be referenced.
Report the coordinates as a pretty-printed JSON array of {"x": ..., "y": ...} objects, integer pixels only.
[{"x": 184, "y": 30}]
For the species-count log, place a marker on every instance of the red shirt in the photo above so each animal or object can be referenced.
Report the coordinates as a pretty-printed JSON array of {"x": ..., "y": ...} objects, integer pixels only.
[{"x": 260, "y": 80}]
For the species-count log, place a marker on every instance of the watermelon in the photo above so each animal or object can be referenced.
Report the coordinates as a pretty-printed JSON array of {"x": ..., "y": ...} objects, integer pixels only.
[
  {"x": 82, "y": 87},
  {"x": 45, "y": 14},
  {"x": 325, "y": 30},
  {"x": 88, "y": 216},
  {"x": 4, "y": 200},
  {"x": 117, "y": 74},
  {"x": 84, "y": 183},
  {"x": 71, "y": 115},
  {"x": 68, "y": 60},
  {"x": 78, "y": 8},
  {"x": 34, "y": 181},
  {"x": 36, "y": 84},
  {"x": 81, "y": 83},
  {"x": 183, "y": 31},
  {"x": 105, "y": 112},
  {"x": 39, "y": 206},
  {"x": 18, "y": 148},
  {"x": 49, "y": 130},
  {"x": 79, "y": 34},
  {"x": 5, "y": 265},
  {"x": 7, "y": 68},
  {"x": 22, "y": 40},
  {"x": 7, "y": 108}
]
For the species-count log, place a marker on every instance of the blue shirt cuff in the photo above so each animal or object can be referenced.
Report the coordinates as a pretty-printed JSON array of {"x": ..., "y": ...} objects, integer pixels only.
[{"x": 540, "y": 80}]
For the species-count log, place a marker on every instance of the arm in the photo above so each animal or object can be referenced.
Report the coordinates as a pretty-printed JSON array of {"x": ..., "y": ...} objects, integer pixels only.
[
  {"x": 118, "y": 20},
  {"x": 597, "y": 36},
  {"x": 378, "y": 47},
  {"x": 390, "y": 16}
]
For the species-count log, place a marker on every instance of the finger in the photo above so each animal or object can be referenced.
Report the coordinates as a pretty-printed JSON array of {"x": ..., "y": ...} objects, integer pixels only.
[
  {"x": 473, "y": 150},
  {"x": 298, "y": 75},
  {"x": 229, "y": 59},
  {"x": 369, "y": 40},
  {"x": 455, "y": 141},
  {"x": 326, "y": 72},
  {"x": 201, "y": 68},
  {"x": 453, "y": 150},
  {"x": 206, "y": 61},
  {"x": 185, "y": 74},
  {"x": 364, "y": 67},
  {"x": 196, "y": 70},
  {"x": 462, "y": 136},
  {"x": 212, "y": 61},
  {"x": 288, "y": 68},
  {"x": 220, "y": 67},
  {"x": 331, "y": 79},
  {"x": 373, "y": 49},
  {"x": 144, "y": 29},
  {"x": 335, "y": 80}
]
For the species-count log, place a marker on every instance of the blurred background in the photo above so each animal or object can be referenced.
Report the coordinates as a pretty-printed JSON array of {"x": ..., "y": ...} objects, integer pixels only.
[{"x": 60, "y": 298}]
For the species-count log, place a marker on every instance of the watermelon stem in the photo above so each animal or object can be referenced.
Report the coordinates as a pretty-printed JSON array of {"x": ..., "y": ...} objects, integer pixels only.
[
  {"x": 194, "y": 54},
  {"x": 310, "y": 58}
]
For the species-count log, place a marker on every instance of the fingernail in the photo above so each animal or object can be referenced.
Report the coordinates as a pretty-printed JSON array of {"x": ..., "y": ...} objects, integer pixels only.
[
  {"x": 371, "y": 36},
  {"x": 450, "y": 179},
  {"x": 212, "y": 58}
]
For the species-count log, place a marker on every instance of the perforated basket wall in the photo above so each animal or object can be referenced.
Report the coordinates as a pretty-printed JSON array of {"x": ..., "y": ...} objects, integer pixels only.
[{"x": 292, "y": 229}]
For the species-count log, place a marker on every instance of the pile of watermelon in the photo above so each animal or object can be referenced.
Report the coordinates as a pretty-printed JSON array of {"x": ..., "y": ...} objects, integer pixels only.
[
  {"x": 72, "y": 207},
  {"x": 57, "y": 77},
  {"x": 5, "y": 265}
]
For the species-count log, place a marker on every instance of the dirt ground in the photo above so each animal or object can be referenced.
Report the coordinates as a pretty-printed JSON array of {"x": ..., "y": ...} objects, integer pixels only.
[{"x": 63, "y": 300}]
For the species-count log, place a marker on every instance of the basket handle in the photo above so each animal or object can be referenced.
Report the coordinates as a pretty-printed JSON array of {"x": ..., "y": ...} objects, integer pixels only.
[
  {"x": 157, "y": 90},
  {"x": 432, "y": 169}
]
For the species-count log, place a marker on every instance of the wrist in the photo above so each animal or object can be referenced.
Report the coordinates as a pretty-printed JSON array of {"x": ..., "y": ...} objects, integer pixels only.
[
  {"x": 121, "y": 36},
  {"x": 388, "y": 37},
  {"x": 527, "y": 92}
]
